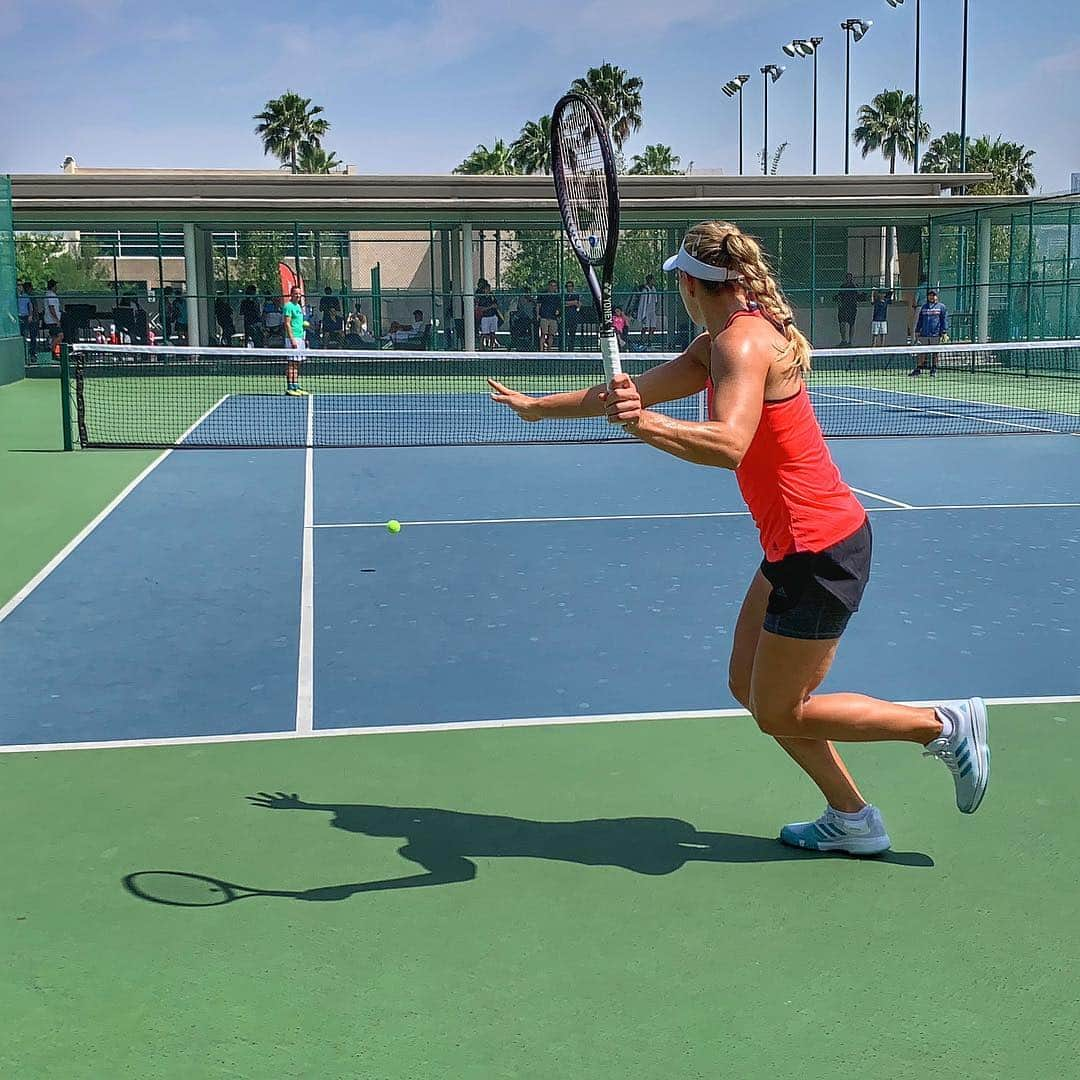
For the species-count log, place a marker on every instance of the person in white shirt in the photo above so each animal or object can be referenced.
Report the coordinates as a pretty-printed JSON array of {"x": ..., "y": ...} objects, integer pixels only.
[
  {"x": 51, "y": 317},
  {"x": 403, "y": 334},
  {"x": 648, "y": 311},
  {"x": 28, "y": 317}
]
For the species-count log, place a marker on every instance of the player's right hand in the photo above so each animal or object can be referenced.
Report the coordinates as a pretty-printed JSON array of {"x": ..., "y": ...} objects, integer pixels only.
[{"x": 522, "y": 404}]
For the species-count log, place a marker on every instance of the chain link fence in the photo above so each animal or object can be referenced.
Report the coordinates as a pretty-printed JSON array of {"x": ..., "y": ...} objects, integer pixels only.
[{"x": 1005, "y": 273}]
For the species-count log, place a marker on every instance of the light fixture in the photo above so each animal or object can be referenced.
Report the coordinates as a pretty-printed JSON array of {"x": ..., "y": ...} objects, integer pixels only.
[
  {"x": 731, "y": 88},
  {"x": 773, "y": 71},
  {"x": 857, "y": 29},
  {"x": 802, "y": 48}
]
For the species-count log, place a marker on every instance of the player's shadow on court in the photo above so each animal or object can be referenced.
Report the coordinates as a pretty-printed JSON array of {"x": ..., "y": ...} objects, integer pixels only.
[{"x": 444, "y": 844}]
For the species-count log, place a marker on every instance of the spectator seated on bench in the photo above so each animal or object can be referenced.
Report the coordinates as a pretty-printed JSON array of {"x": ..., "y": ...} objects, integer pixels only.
[{"x": 416, "y": 336}]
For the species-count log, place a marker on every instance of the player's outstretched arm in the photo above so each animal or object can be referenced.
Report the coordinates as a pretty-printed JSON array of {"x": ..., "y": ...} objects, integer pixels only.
[{"x": 679, "y": 378}]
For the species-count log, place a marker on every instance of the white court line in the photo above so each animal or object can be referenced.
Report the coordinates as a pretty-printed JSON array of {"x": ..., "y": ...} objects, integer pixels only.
[
  {"x": 896, "y": 509},
  {"x": 883, "y": 498},
  {"x": 305, "y": 677},
  {"x": 458, "y": 725},
  {"x": 79, "y": 537},
  {"x": 942, "y": 412},
  {"x": 959, "y": 401}
]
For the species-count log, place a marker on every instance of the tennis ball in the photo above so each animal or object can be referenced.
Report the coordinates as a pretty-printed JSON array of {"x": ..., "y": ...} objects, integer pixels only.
[{"x": 393, "y": 526}]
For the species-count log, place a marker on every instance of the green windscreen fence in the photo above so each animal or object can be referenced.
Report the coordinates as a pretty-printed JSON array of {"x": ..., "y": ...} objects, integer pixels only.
[
  {"x": 1012, "y": 271},
  {"x": 12, "y": 346},
  {"x": 9, "y": 317}
]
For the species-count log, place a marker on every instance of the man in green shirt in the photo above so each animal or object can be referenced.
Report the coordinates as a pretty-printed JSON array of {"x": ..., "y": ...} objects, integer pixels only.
[{"x": 293, "y": 315}]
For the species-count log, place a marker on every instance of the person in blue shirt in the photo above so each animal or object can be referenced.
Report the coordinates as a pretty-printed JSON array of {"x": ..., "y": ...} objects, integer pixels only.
[
  {"x": 931, "y": 328},
  {"x": 879, "y": 324}
]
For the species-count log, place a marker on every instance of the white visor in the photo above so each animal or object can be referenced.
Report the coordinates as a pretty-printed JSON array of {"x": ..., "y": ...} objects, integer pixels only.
[{"x": 696, "y": 268}]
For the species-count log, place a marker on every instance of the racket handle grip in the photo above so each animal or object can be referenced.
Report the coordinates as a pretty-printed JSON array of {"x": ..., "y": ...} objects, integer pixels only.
[{"x": 609, "y": 350}]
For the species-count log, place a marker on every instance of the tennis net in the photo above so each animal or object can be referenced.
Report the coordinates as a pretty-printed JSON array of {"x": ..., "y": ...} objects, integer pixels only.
[{"x": 153, "y": 396}]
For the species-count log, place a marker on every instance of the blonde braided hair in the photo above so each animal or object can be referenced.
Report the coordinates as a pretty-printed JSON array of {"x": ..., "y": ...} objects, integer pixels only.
[{"x": 720, "y": 243}]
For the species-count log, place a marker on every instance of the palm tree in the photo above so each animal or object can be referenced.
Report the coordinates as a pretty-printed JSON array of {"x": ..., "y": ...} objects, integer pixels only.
[
  {"x": 943, "y": 154},
  {"x": 618, "y": 96},
  {"x": 286, "y": 124},
  {"x": 778, "y": 153},
  {"x": 496, "y": 161},
  {"x": 1019, "y": 165},
  {"x": 888, "y": 124},
  {"x": 1010, "y": 163},
  {"x": 656, "y": 160},
  {"x": 314, "y": 159},
  {"x": 531, "y": 150}
]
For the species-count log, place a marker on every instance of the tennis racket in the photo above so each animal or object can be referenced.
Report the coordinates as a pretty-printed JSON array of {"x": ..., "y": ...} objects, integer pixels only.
[
  {"x": 177, "y": 889},
  {"x": 587, "y": 188}
]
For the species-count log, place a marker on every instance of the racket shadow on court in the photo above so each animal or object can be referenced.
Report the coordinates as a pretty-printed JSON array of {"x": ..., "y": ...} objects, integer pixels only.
[{"x": 445, "y": 843}]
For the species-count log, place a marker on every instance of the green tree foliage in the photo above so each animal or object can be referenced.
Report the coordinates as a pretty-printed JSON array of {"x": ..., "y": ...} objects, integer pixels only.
[
  {"x": 534, "y": 260},
  {"x": 656, "y": 160},
  {"x": 287, "y": 125},
  {"x": 496, "y": 161},
  {"x": 256, "y": 262},
  {"x": 531, "y": 150},
  {"x": 888, "y": 124},
  {"x": 617, "y": 94},
  {"x": 314, "y": 159},
  {"x": 77, "y": 267},
  {"x": 1010, "y": 163}
]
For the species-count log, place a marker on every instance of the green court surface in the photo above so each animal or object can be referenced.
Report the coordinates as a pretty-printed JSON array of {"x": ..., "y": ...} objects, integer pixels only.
[
  {"x": 47, "y": 496},
  {"x": 952, "y": 957}
]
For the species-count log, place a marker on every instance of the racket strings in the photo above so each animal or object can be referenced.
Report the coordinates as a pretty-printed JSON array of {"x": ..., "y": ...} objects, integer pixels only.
[{"x": 585, "y": 176}]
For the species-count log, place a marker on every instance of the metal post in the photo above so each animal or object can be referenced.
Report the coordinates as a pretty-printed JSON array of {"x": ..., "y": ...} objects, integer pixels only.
[
  {"x": 815, "y": 112},
  {"x": 1030, "y": 258},
  {"x": 467, "y": 286},
  {"x": 1068, "y": 273},
  {"x": 982, "y": 301},
  {"x": 65, "y": 394},
  {"x": 918, "y": 35},
  {"x": 191, "y": 287},
  {"x": 813, "y": 274},
  {"x": 740, "y": 131},
  {"x": 847, "y": 103},
  {"x": 963, "y": 99},
  {"x": 431, "y": 281},
  {"x": 163, "y": 314},
  {"x": 765, "y": 149}
]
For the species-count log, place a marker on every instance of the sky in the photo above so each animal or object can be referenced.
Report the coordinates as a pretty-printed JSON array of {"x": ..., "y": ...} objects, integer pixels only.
[{"x": 410, "y": 87}]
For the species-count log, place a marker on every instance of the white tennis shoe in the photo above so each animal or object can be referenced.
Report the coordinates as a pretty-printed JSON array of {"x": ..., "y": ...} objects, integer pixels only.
[
  {"x": 834, "y": 831},
  {"x": 966, "y": 751}
]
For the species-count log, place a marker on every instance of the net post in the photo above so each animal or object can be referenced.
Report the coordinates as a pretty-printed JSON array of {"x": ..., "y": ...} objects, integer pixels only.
[{"x": 65, "y": 395}]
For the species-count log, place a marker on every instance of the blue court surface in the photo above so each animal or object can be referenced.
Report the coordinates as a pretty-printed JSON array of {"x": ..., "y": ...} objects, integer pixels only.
[{"x": 234, "y": 593}]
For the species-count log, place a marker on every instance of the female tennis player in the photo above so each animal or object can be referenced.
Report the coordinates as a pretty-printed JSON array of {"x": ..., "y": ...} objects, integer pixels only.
[{"x": 814, "y": 532}]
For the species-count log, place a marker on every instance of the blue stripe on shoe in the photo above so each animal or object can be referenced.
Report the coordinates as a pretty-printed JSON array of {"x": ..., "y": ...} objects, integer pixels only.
[{"x": 965, "y": 770}]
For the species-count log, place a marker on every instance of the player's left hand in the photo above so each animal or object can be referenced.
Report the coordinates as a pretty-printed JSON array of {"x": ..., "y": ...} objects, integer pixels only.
[
  {"x": 622, "y": 402},
  {"x": 279, "y": 801}
]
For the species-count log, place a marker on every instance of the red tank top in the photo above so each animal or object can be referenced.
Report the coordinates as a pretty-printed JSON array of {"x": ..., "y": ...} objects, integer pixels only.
[{"x": 791, "y": 485}]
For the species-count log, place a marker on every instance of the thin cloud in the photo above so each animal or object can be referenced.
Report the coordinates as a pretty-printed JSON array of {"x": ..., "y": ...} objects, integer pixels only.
[{"x": 1062, "y": 63}]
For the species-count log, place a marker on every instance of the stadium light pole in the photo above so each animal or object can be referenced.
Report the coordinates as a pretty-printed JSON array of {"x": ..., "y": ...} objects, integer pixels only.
[
  {"x": 918, "y": 41},
  {"x": 802, "y": 47},
  {"x": 963, "y": 98},
  {"x": 769, "y": 71},
  {"x": 731, "y": 88},
  {"x": 857, "y": 29}
]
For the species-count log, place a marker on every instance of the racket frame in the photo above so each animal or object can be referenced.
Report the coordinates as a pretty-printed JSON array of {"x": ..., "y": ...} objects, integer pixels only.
[{"x": 601, "y": 288}]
